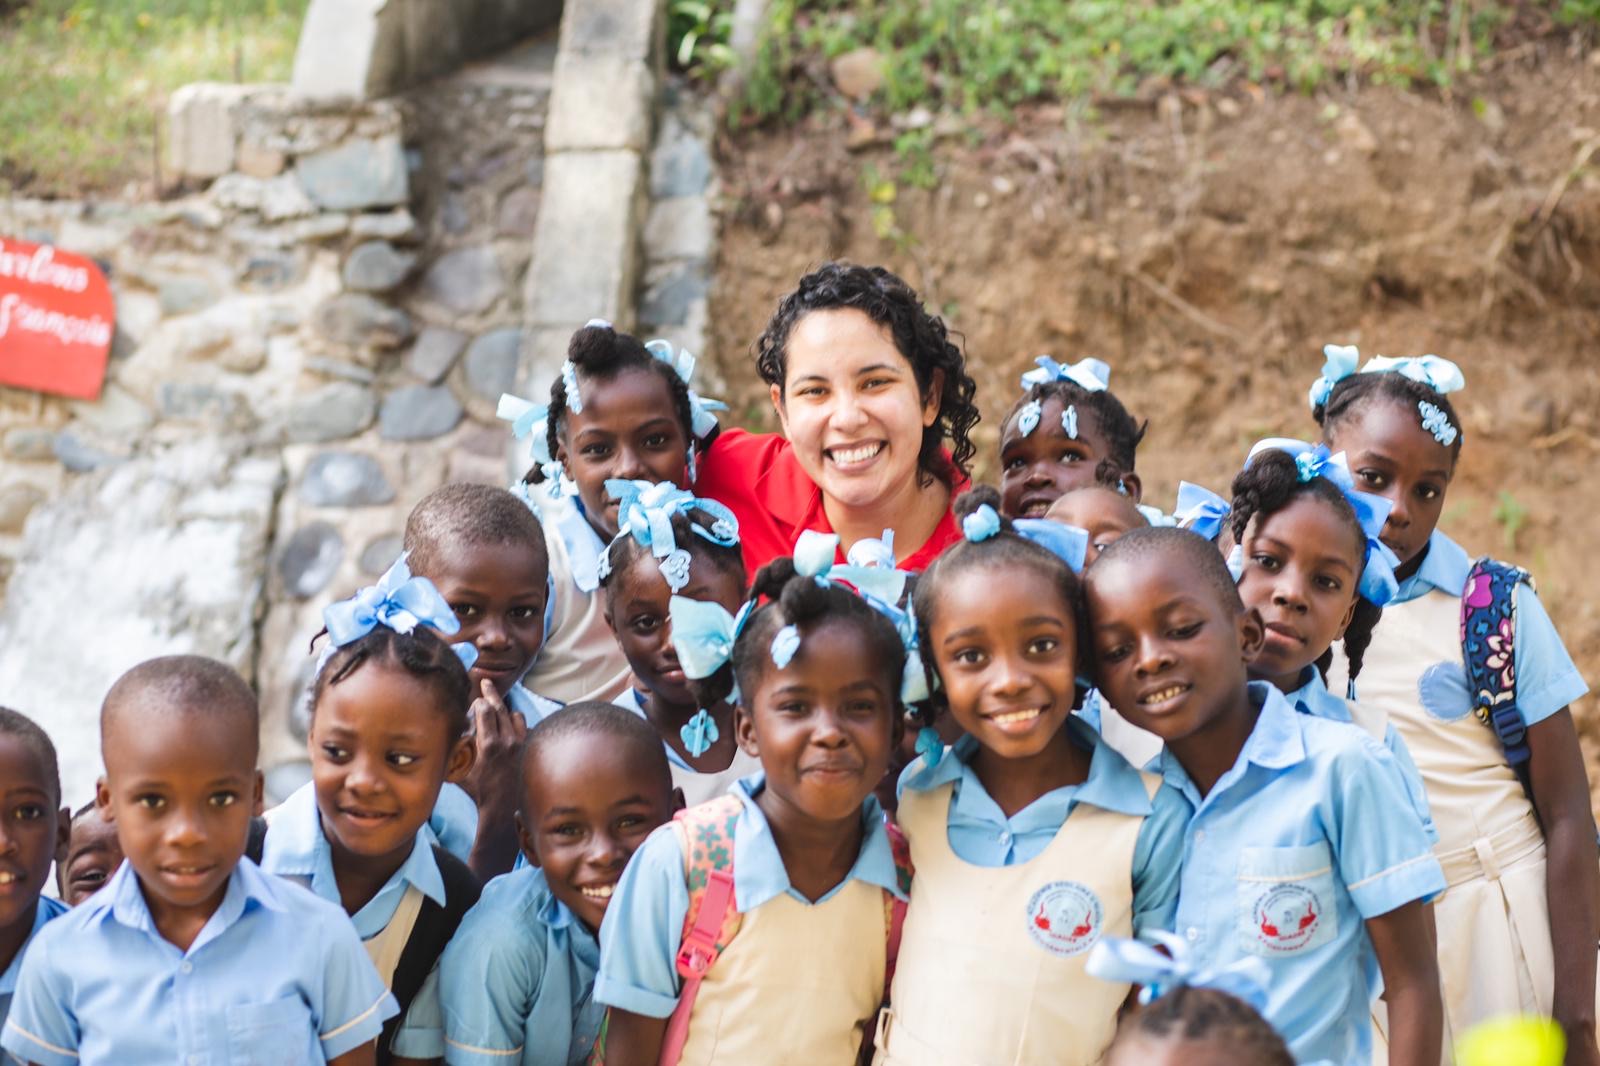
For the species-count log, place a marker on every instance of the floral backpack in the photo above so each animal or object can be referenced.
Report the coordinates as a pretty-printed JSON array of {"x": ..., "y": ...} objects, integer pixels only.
[
  {"x": 1488, "y": 651},
  {"x": 706, "y": 833}
]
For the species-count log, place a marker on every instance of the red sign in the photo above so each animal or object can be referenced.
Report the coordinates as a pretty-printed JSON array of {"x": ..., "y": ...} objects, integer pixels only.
[{"x": 56, "y": 315}]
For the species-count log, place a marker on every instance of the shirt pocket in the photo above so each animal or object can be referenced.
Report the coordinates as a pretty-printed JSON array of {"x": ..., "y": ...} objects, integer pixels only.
[
  {"x": 278, "y": 1033},
  {"x": 1284, "y": 902}
]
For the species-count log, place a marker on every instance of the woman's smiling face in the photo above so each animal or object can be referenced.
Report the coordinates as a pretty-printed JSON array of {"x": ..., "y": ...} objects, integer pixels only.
[{"x": 851, "y": 407}]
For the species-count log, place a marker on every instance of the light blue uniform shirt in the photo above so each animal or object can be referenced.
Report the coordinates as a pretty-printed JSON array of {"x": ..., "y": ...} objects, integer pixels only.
[
  {"x": 276, "y": 975},
  {"x": 981, "y": 834},
  {"x": 296, "y": 847},
  {"x": 1547, "y": 679},
  {"x": 1313, "y": 698},
  {"x": 1309, "y": 834},
  {"x": 47, "y": 910},
  {"x": 518, "y": 979},
  {"x": 643, "y": 929},
  {"x": 533, "y": 707}
]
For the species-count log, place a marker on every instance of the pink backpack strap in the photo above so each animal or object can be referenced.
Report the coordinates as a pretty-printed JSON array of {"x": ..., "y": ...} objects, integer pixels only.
[{"x": 706, "y": 835}]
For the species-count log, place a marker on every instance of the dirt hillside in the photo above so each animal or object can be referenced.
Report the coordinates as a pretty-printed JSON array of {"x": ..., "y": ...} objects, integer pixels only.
[{"x": 1207, "y": 246}]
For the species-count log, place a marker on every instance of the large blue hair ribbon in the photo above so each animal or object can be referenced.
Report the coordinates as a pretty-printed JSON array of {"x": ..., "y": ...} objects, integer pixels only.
[
  {"x": 399, "y": 602},
  {"x": 704, "y": 633},
  {"x": 530, "y": 420},
  {"x": 1339, "y": 362},
  {"x": 1201, "y": 510},
  {"x": 1091, "y": 375},
  {"x": 1437, "y": 373},
  {"x": 1138, "y": 963},
  {"x": 682, "y": 363},
  {"x": 814, "y": 553},
  {"x": 1377, "y": 583},
  {"x": 645, "y": 511},
  {"x": 1067, "y": 543}
]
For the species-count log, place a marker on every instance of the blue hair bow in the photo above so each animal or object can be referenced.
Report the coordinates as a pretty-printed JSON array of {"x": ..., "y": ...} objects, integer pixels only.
[
  {"x": 1437, "y": 373},
  {"x": 1201, "y": 510},
  {"x": 1339, "y": 362},
  {"x": 873, "y": 551},
  {"x": 1154, "y": 516},
  {"x": 645, "y": 511},
  {"x": 1378, "y": 584},
  {"x": 1091, "y": 375},
  {"x": 682, "y": 362},
  {"x": 531, "y": 420},
  {"x": 814, "y": 553},
  {"x": 1067, "y": 543},
  {"x": 1135, "y": 962},
  {"x": 704, "y": 633},
  {"x": 399, "y": 602}
]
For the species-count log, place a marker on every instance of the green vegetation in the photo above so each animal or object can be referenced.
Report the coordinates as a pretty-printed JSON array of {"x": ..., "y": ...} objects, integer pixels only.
[
  {"x": 87, "y": 80},
  {"x": 975, "y": 55}
]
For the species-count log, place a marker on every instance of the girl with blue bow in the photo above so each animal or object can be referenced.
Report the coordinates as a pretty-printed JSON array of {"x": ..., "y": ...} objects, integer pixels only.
[
  {"x": 1054, "y": 438},
  {"x": 1483, "y": 708},
  {"x": 619, "y": 410},
  {"x": 1031, "y": 837},
  {"x": 673, "y": 546},
  {"x": 388, "y": 729}
]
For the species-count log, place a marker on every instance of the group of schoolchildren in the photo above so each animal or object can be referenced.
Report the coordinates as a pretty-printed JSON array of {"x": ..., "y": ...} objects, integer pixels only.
[{"x": 1273, "y": 779}]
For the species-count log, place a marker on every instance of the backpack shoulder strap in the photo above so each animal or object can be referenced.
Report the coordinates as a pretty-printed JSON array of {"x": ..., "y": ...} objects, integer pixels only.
[
  {"x": 1488, "y": 653},
  {"x": 705, "y": 833},
  {"x": 894, "y": 906},
  {"x": 434, "y": 927}
]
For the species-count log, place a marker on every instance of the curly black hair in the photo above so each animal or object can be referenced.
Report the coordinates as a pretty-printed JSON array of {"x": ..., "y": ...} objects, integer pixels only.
[
  {"x": 922, "y": 338},
  {"x": 624, "y": 550},
  {"x": 1005, "y": 548},
  {"x": 1188, "y": 1013},
  {"x": 1121, "y": 432},
  {"x": 423, "y": 653},
  {"x": 797, "y": 600},
  {"x": 600, "y": 353},
  {"x": 1352, "y": 395},
  {"x": 1272, "y": 482}
]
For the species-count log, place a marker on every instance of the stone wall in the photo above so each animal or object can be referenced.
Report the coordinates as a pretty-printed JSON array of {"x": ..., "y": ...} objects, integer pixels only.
[{"x": 303, "y": 350}]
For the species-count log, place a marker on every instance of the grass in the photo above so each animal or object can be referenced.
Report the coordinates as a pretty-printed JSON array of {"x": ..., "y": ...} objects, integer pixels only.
[
  {"x": 87, "y": 80},
  {"x": 992, "y": 55}
]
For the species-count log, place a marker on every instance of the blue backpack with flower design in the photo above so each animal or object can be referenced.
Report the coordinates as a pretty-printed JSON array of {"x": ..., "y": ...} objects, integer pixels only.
[{"x": 1488, "y": 653}]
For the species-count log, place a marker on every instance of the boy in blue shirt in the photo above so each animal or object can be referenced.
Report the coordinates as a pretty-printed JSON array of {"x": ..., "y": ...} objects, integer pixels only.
[
  {"x": 190, "y": 954},
  {"x": 1305, "y": 850},
  {"x": 33, "y": 831},
  {"x": 517, "y": 981}
]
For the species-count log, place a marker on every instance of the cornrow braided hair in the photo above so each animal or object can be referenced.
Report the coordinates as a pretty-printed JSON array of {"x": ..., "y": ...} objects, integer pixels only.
[
  {"x": 1208, "y": 1015},
  {"x": 1269, "y": 484},
  {"x": 1353, "y": 394},
  {"x": 600, "y": 353},
  {"x": 1005, "y": 548},
  {"x": 1121, "y": 432},
  {"x": 798, "y": 600},
  {"x": 422, "y": 653},
  {"x": 922, "y": 338}
]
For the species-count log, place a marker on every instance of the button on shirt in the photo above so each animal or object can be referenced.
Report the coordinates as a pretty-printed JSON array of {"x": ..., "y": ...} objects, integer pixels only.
[
  {"x": 1307, "y": 836},
  {"x": 518, "y": 979},
  {"x": 275, "y": 975},
  {"x": 644, "y": 924},
  {"x": 47, "y": 910},
  {"x": 1313, "y": 698},
  {"x": 1547, "y": 678},
  {"x": 296, "y": 847},
  {"x": 981, "y": 834}
]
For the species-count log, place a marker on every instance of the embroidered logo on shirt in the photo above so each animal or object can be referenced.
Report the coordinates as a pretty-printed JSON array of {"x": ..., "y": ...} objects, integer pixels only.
[
  {"x": 1443, "y": 693},
  {"x": 1065, "y": 918},
  {"x": 1286, "y": 917}
]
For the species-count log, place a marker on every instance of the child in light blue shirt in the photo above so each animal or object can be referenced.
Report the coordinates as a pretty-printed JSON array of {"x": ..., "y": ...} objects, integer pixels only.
[
  {"x": 517, "y": 981},
  {"x": 34, "y": 827},
  {"x": 190, "y": 954}
]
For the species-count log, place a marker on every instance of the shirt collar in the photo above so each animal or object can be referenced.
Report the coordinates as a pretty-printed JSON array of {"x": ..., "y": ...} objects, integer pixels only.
[
  {"x": 1276, "y": 743},
  {"x": 122, "y": 901},
  {"x": 1112, "y": 784},
  {"x": 758, "y": 871},
  {"x": 296, "y": 846},
  {"x": 583, "y": 544},
  {"x": 532, "y": 706},
  {"x": 1313, "y": 698},
  {"x": 46, "y": 910},
  {"x": 1445, "y": 567}
]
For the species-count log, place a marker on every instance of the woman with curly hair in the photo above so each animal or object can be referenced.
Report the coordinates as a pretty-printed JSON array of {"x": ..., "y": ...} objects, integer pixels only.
[{"x": 877, "y": 410}]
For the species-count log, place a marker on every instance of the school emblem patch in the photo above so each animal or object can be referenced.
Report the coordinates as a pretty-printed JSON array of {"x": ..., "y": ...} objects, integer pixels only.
[
  {"x": 1065, "y": 918},
  {"x": 1286, "y": 918}
]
